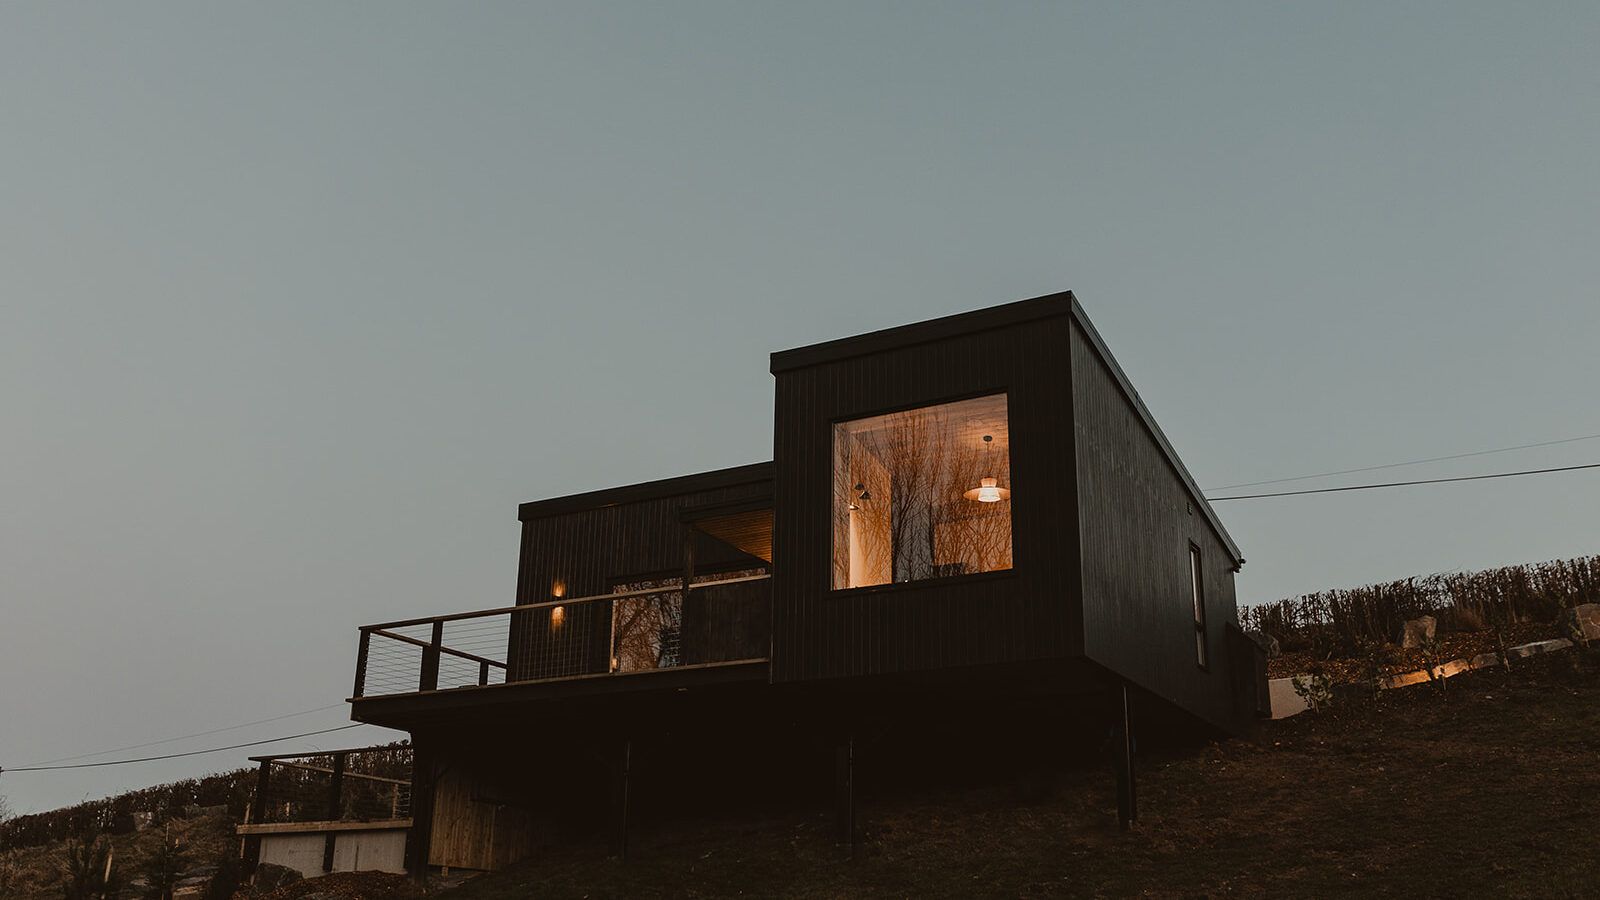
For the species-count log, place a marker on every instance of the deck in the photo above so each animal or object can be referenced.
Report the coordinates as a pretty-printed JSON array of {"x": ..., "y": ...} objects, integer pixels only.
[{"x": 657, "y": 636}]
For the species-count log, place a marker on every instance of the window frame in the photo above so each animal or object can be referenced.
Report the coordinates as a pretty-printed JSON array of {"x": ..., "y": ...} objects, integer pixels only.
[
  {"x": 827, "y": 490},
  {"x": 1197, "y": 593}
]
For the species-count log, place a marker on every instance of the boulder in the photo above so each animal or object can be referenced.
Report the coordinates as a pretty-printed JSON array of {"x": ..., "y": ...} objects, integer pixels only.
[
  {"x": 1522, "y": 651},
  {"x": 271, "y": 876},
  {"x": 1582, "y": 619},
  {"x": 1416, "y": 632},
  {"x": 1267, "y": 642}
]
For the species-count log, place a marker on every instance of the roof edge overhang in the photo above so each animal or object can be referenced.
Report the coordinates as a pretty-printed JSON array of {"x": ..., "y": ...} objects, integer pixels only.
[
  {"x": 1022, "y": 311},
  {"x": 755, "y": 473}
]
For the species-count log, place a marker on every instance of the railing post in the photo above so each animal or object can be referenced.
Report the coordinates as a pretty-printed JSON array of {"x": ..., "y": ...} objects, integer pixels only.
[
  {"x": 430, "y": 660},
  {"x": 263, "y": 778},
  {"x": 419, "y": 838},
  {"x": 361, "y": 664},
  {"x": 335, "y": 790},
  {"x": 252, "y": 843},
  {"x": 483, "y": 673},
  {"x": 609, "y": 664}
]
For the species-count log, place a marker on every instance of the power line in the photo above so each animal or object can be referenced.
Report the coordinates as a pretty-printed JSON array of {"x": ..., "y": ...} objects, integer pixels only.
[
  {"x": 1368, "y": 487},
  {"x": 1411, "y": 462},
  {"x": 123, "y": 762},
  {"x": 304, "y": 712}
]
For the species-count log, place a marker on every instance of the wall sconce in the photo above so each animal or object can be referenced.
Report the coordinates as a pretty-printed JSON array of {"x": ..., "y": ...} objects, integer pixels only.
[
  {"x": 558, "y": 615},
  {"x": 864, "y": 496}
]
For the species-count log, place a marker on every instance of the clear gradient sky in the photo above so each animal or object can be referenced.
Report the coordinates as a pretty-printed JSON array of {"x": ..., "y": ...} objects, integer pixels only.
[{"x": 299, "y": 300}]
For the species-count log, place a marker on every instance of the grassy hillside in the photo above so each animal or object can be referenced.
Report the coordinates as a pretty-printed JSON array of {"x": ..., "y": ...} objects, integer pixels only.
[
  {"x": 35, "y": 873},
  {"x": 1489, "y": 789}
]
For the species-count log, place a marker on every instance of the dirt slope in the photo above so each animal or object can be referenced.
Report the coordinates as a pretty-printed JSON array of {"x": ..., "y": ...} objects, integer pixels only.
[{"x": 1490, "y": 789}]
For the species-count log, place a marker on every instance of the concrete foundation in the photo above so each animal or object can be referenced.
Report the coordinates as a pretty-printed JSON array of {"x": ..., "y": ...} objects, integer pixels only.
[{"x": 379, "y": 849}]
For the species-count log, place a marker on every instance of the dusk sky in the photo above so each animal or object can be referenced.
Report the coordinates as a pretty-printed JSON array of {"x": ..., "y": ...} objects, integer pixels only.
[{"x": 300, "y": 300}]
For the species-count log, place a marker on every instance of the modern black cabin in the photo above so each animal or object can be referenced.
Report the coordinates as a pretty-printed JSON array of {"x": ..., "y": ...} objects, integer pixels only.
[{"x": 974, "y": 513}]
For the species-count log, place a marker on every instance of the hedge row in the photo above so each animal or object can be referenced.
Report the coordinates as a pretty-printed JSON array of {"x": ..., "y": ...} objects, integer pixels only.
[
  {"x": 118, "y": 815},
  {"x": 1461, "y": 601}
]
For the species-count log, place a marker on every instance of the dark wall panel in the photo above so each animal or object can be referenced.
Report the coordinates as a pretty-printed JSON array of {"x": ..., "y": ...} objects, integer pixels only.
[
  {"x": 1138, "y": 521},
  {"x": 1024, "y": 613},
  {"x": 587, "y": 552}
]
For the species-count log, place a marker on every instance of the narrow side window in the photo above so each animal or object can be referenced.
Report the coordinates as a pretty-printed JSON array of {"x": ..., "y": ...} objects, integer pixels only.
[{"x": 1199, "y": 606}]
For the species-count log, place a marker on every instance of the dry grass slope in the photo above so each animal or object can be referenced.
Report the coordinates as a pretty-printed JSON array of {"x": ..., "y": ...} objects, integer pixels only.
[
  {"x": 1488, "y": 790},
  {"x": 35, "y": 873}
]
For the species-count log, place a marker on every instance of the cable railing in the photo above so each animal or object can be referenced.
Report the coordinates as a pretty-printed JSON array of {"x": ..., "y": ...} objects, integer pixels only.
[
  {"x": 368, "y": 784},
  {"x": 642, "y": 627}
]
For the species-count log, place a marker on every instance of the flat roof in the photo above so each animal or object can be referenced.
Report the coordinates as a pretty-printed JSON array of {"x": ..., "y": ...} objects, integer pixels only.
[
  {"x": 1007, "y": 314},
  {"x": 755, "y": 473}
]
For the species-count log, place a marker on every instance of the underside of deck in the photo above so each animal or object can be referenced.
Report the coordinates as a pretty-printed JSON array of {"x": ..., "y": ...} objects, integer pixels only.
[{"x": 600, "y": 696}]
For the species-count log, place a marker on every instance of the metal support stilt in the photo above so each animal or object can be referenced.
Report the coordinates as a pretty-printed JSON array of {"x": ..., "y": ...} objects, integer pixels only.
[
  {"x": 844, "y": 781},
  {"x": 1122, "y": 749},
  {"x": 624, "y": 775}
]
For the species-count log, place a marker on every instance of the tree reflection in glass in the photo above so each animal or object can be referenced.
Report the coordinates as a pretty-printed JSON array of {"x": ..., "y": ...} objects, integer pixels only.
[{"x": 900, "y": 484}]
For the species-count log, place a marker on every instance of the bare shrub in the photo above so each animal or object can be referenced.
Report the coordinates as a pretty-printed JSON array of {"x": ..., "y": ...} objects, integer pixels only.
[{"x": 1457, "y": 617}]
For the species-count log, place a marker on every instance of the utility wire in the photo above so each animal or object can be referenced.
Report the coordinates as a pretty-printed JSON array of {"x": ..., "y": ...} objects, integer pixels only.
[
  {"x": 123, "y": 762},
  {"x": 45, "y": 767},
  {"x": 1368, "y": 487},
  {"x": 304, "y": 712},
  {"x": 1411, "y": 462}
]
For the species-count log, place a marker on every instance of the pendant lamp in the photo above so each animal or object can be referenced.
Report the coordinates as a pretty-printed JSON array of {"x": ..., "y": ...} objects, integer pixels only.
[{"x": 988, "y": 489}]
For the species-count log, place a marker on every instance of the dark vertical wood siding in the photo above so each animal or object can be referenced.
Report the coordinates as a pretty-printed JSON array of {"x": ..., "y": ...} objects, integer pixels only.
[
  {"x": 728, "y": 622},
  {"x": 1026, "y": 613},
  {"x": 1137, "y": 521},
  {"x": 588, "y": 551}
]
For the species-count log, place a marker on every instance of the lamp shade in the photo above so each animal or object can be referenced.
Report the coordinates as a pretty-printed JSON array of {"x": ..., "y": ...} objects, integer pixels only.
[{"x": 988, "y": 491}]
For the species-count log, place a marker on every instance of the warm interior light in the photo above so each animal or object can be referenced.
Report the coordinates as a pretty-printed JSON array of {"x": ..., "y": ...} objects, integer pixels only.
[
  {"x": 558, "y": 615},
  {"x": 558, "y": 589},
  {"x": 988, "y": 491}
]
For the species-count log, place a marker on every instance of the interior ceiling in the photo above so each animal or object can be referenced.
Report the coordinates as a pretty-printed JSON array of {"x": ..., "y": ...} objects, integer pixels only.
[
  {"x": 962, "y": 423},
  {"x": 749, "y": 531}
]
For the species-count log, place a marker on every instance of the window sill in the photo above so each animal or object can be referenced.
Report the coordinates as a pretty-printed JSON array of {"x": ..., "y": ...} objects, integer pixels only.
[{"x": 895, "y": 587}]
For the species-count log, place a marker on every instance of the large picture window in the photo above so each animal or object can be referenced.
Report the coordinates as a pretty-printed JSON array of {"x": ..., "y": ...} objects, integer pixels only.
[{"x": 923, "y": 493}]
